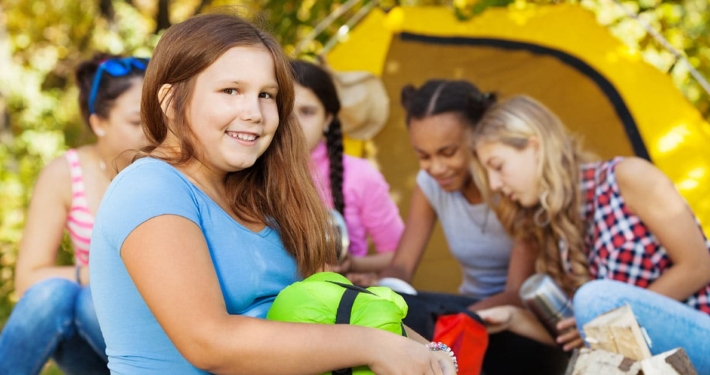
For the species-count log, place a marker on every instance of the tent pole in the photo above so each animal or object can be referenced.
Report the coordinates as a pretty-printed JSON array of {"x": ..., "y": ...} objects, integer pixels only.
[
  {"x": 349, "y": 25},
  {"x": 322, "y": 25}
]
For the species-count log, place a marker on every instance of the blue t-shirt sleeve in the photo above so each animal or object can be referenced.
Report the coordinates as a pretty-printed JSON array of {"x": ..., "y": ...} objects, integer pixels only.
[{"x": 145, "y": 190}]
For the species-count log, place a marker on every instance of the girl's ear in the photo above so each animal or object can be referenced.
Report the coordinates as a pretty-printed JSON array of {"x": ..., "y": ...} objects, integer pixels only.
[
  {"x": 165, "y": 98},
  {"x": 328, "y": 120},
  {"x": 534, "y": 142},
  {"x": 536, "y": 147},
  {"x": 98, "y": 125}
]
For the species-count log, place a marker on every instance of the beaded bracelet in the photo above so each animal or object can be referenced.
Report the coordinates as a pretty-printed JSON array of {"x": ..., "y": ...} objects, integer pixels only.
[{"x": 438, "y": 346}]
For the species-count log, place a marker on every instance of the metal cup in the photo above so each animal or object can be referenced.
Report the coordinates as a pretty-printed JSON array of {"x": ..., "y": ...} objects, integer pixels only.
[
  {"x": 341, "y": 228},
  {"x": 546, "y": 300}
]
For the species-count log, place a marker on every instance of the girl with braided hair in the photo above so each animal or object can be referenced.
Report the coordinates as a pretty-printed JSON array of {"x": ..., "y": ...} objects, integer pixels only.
[
  {"x": 439, "y": 115},
  {"x": 350, "y": 185}
]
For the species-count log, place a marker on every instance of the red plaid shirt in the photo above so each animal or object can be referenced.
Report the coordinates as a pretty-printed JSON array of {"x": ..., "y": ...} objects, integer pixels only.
[{"x": 620, "y": 246}]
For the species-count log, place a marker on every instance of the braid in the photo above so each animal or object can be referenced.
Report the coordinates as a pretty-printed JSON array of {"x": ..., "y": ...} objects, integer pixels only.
[
  {"x": 438, "y": 96},
  {"x": 334, "y": 142},
  {"x": 321, "y": 84}
]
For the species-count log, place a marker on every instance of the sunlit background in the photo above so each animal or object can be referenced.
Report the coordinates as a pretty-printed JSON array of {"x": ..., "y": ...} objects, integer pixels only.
[{"x": 42, "y": 41}]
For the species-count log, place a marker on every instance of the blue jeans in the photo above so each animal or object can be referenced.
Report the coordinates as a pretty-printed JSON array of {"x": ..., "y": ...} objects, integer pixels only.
[
  {"x": 54, "y": 318},
  {"x": 670, "y": 324}
]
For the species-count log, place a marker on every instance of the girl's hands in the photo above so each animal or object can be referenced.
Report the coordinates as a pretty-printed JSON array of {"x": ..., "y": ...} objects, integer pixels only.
[
  {"x": 497, "y": 318},
  {"x": 569, "y": 337},
  {"x": 345, "y": 265},
  {"x": 501, "y": 318},
  {"x": 445, "y": 362},
  {"x": 364, "y": 279},
  {"x": 517, "y": 320},
  {"x": 403, "y": 356}
]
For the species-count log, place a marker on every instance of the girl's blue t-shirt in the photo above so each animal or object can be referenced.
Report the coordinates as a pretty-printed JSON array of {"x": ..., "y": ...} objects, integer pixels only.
[{"x": 252, "y": 268}]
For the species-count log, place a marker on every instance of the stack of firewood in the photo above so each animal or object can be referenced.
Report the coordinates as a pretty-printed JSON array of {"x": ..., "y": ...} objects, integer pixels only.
[{"x": 619, "y": 347}]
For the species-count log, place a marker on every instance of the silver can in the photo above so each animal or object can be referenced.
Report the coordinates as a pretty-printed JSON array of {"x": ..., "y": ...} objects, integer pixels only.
[{"x": 541, "y": 294}]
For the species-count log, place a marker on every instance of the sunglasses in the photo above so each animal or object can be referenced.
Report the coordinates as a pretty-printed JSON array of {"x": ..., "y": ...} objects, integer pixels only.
[{"x": 116, "y": 68}]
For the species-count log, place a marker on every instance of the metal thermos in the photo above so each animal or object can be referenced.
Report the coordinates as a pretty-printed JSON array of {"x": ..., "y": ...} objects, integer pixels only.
[
  {"x": 342, "y": 229},
  {"x": 546, "y": 300}
]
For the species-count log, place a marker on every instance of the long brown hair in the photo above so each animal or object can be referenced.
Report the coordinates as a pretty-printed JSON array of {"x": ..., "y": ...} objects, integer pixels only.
[
  {"x": 278, "y": 188},
  {"x": 555, "y": 222}
]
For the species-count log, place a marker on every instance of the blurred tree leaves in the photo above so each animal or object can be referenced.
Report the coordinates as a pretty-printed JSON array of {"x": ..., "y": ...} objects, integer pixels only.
[
  {"x": 42, "y": 41},
  {"x": 684, "y": 23},
  {"x": 40, "y": 44}
]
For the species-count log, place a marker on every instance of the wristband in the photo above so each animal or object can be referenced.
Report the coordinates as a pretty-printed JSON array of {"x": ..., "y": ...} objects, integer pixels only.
[
  {"x": 77, "y": 271},
  {"x": 438, "y": 346}
]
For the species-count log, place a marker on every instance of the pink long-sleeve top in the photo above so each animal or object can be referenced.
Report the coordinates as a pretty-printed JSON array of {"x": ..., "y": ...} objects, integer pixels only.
[{"x": 369, "y": 209}]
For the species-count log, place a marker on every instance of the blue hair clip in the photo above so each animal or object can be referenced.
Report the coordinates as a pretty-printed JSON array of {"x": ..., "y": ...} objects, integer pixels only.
[{"x": 117, "y": 68}]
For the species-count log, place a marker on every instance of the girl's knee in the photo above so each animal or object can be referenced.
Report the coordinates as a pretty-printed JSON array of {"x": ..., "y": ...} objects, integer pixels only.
[
  {"x": 47, "y": 306},
  {"x": 595, "y": 298},
  {"x": 590, "y": 294},
  {"x": 604, "y": 292},
  {"x": 53, "y": 295}
]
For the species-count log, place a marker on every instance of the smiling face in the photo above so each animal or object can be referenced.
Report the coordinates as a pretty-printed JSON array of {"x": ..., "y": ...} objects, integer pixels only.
[
  {"x": 511, "y": 171},
  {"x": 440, "y": 144},
  {"x": 311, "y": 115},
  {"x": 233, "y": 111}
]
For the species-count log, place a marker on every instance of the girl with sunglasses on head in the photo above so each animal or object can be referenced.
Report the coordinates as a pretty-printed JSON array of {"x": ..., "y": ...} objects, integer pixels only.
[
  {"x": 55, "y": 315},
  {"x": 194, "y": 240},
  {"x": 619, "y": 223},
  {"x": 350, "y": 185}
]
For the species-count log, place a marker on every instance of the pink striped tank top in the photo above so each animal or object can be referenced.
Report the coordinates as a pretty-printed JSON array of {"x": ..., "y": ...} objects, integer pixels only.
[{"x": 80, "y": 221}]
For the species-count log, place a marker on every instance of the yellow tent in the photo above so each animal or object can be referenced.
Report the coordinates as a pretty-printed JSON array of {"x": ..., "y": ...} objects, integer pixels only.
[{"x": 558, "y": 54}]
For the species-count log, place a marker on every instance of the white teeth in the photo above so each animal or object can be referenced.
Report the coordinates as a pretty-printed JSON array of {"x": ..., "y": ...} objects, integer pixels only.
[
  {"x": 246, "y": 137},
  {"x": 242, "y": 136}
]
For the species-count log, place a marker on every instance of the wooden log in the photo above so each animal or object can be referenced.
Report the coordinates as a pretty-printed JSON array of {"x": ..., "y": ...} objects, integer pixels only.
[
  {"x": 594, "y": 362},
  {"x": 672, "y": 362},
  {"x": 617, "y": 331}
]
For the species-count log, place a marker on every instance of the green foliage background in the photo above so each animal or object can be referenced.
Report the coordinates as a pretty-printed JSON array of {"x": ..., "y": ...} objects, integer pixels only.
[{"x": 42, "y": 41}]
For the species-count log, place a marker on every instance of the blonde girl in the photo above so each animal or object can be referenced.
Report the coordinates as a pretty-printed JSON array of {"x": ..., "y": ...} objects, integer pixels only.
[{"x": 609, "y": 232}]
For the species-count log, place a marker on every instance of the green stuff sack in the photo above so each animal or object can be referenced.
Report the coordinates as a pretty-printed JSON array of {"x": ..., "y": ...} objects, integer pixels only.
[{"x": 330, "y": 298}]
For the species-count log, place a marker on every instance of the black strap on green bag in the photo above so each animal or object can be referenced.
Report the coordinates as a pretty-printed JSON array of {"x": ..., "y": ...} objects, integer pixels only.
[{"x": 345, "y": 308}]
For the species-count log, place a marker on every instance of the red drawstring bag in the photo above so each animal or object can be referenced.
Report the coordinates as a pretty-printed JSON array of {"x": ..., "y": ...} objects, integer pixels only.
[{"x": 467, "y": 337}]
